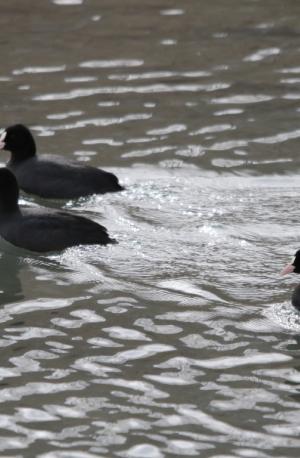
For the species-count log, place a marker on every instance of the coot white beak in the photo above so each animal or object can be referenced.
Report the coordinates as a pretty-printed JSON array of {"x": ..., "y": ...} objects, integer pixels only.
[
  {"x": 288, "y": 269},
  {"x": 2, "y": 139}
]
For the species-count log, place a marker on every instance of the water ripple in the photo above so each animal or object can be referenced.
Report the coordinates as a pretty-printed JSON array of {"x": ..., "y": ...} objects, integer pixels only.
[
  {"x": 149, "y": 89},
  {"x": 159, "y": 75},
  {"x": 172, "y": 12},
  {"x": 243, "y": 99},
  {"x": 259, "y": 440},
  {"x": 262, "y": 54},
  {"x": 112, "y": 63},
  {"x": 36, "y": 70},
  {"x": 279, "y": 138},
  {"x": 96, "y": 122}
]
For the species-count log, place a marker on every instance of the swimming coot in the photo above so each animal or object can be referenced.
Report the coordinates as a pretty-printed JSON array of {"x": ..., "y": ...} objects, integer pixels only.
[
  {"x": 42, "y": 229},
  {"x": 52, "y": 176},
  {"x": 294, "y": 267}
]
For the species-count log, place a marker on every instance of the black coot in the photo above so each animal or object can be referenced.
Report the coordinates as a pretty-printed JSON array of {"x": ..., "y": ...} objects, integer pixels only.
[
  {"x": 52, "y": 176},
  {"x": 42, "y": 229},
  {"x": 294, "y": 267}
]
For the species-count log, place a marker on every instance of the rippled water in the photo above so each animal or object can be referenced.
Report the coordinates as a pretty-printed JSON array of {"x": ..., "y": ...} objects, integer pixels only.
[{"x": 180, "y": 340}]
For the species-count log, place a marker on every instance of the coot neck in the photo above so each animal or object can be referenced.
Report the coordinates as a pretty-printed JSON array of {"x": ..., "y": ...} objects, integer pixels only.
[
  {"x": 296, "y": 298},
  {"x": 8, "y": 209},
  {"x": 9, "y": 202},
  {"x": 20, "y": 156}
]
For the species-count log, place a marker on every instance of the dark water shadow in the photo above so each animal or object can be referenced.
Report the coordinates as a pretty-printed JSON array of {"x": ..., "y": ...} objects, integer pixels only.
[{"x": 10, "y": 284}]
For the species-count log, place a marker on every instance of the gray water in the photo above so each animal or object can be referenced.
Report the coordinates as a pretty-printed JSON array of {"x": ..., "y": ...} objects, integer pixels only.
[{"x": 180, "y": 340}]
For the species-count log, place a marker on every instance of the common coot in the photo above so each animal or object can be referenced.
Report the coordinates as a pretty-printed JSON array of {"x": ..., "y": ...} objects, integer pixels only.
[
  {"x": 41, "y": 229},
  {"x": 294, "y": 267},
  {"x": 52, "y": 176}
]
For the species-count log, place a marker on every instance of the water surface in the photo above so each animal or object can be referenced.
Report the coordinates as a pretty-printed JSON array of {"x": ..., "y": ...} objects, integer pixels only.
[{"x": 180, "y": 340}]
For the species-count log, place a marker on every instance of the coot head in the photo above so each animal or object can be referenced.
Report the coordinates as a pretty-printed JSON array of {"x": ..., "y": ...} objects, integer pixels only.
[
  {"x": 9, "y": 191},
  {"x": 294, "y": 266},
  {"x": 19, "y": 141}
]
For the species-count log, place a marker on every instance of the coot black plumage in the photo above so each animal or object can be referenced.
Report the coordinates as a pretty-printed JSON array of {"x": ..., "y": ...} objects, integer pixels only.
[
  {"x": 52, "y": 176},
  {"x": 294, "y": 267},
  {"x": 42, "y": 229}
]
